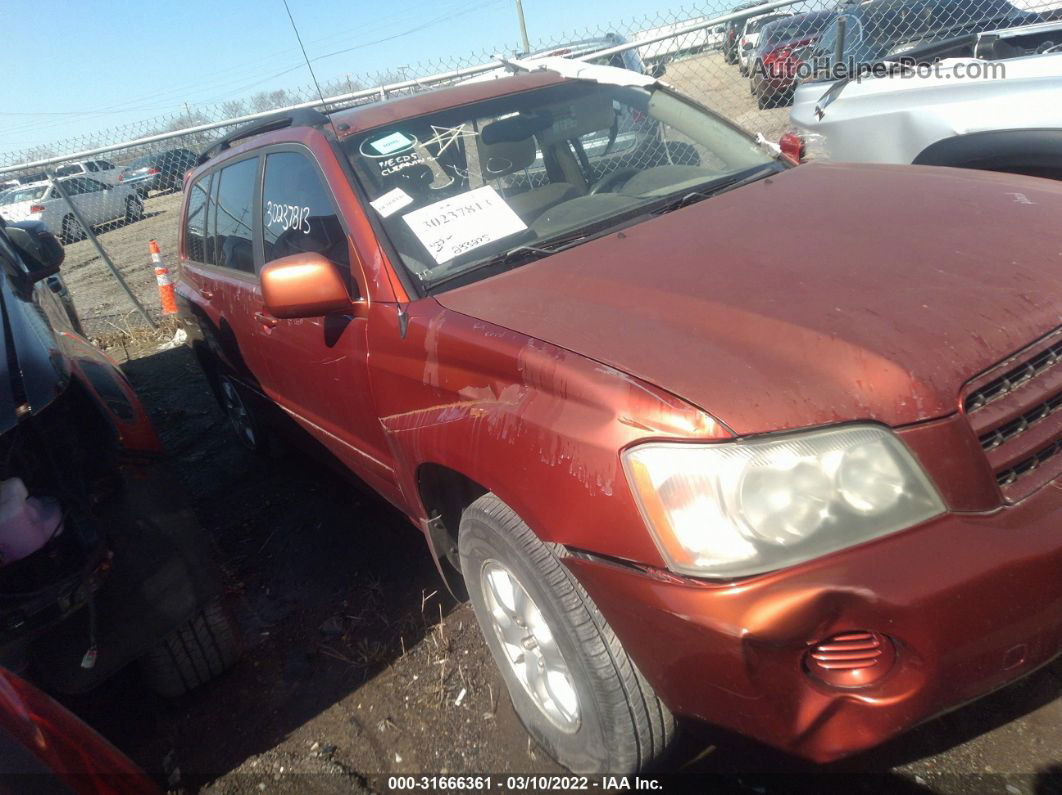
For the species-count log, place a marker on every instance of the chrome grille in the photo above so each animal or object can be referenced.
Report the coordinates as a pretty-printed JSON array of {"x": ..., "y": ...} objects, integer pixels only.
[
  {"x": 1008, "y": 382},
  {"x": 1016, "y": 412}
]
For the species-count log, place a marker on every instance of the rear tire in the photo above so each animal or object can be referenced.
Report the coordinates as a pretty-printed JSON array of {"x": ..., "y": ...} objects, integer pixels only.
[
  {"x": 71, "y": 231},
  {"x": 193, "y": 654},
  {"x": 134, "y": 210},
  {"x": 573, "y": 686}
]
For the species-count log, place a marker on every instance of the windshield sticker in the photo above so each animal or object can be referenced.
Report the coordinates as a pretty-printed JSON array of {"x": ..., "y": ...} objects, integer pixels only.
[
  {"x": 395, "y": 143},
  {"x": 450, "y": 227},
  {"x": 389, "y": 144},
  {"x": 391, "y": 202}
]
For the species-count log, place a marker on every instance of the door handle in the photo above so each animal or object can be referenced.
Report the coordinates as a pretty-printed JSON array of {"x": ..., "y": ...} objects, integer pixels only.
[
  {"x": 265, "y": 319},
  {"x": 207, "y": 294}
]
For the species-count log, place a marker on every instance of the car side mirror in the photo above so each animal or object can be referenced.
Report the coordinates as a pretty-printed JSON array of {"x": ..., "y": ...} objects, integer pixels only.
[
  {"x": 657, "y": 70},
  {"x": 303, "y": 285},
  {"x": 40, "y": 250}
]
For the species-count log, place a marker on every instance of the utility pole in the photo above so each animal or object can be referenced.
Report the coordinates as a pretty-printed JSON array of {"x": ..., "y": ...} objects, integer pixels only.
[{"x": 523, "y": 26}]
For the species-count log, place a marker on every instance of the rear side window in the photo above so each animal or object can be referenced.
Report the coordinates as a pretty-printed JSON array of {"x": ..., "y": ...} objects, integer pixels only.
[
  {"x": 233, "y": 215},
  {"x": 195, "y": 228},
  {"x": 67, "y": 170},
  {"x": 91, "y": 166},
  {"x": 298, "y": 214}
]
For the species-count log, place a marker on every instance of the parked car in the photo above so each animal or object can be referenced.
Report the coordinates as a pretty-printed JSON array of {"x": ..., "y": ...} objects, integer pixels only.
[
  {"x": 159, "y": 171},
  {"x": 683, "y": 462},
  {"x": 750, "y": 39},
  {"x": 102, "y": 564},
  {"x": 784, "y": 45},
  {"x": 102, "y": 170},
  {"x": 46, "y": 748},
  {"x": 733, "y": 32},
  {"x": 1002, "y": 120},
  {"x": 97, "y": 202},
  {"x": 878, "y": 30},
  {"x": 15, "y": 182}
]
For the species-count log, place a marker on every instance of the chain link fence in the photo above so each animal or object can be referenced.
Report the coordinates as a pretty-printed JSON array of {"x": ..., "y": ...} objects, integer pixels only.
[{"x": 123, "y": 185}]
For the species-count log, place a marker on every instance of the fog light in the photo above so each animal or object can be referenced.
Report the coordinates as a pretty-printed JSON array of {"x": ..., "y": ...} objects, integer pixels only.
[{"x": 851, "y": 659}]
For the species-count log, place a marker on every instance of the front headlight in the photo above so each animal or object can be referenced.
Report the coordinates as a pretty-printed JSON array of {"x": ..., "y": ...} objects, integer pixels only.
[{"x": 733, "y": 509}]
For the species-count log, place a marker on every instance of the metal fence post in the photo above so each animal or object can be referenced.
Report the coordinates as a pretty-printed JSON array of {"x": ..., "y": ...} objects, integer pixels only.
[{"x": 99, "y": 248}]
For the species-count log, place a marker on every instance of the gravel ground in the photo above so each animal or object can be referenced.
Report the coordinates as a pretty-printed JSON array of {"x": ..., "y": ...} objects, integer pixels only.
[{"x": 358, "y": 663}]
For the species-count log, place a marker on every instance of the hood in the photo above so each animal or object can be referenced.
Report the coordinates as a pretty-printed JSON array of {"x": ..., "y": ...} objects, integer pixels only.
[{"x": 825, "y": 293}]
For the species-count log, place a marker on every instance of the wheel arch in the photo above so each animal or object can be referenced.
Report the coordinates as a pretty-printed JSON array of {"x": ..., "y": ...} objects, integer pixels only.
[
  {"x": 1034, "y": 152},
  {"x": 445, "y": 493}
]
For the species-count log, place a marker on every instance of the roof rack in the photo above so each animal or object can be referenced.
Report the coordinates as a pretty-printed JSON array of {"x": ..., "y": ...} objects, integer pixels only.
[{"x": 303, "y": 117}]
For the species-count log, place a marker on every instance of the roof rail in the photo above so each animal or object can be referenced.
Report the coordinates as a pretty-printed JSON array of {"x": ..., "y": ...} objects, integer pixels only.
[{"x": 303, "y": 117}]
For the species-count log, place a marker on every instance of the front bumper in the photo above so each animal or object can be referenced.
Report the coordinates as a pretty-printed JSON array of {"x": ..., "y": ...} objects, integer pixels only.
[{"x": 971, "y": 601}]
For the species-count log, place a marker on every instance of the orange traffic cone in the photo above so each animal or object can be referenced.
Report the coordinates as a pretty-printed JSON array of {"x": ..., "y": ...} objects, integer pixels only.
[{"x": 167, "y": 295}]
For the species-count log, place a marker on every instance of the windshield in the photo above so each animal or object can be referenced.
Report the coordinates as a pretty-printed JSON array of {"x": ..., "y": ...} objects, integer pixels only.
[
  {"x": 23, "y": 194},
  {"x": 140, "y": 162},
  {"x": 759, "y": 22},
  {"x": 892, "y": 21},
  {"x": 802, "y": 27},
  {"x": 461, "y": 186}
]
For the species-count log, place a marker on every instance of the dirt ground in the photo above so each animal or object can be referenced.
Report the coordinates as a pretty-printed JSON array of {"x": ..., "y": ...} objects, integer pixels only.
[{"x": 358, "y": 663}]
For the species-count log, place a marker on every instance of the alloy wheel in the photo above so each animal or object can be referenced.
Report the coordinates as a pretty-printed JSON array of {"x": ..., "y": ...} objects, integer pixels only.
[
  {"x": 238, "y": 413},
  {"x": 530, "y": 647}
]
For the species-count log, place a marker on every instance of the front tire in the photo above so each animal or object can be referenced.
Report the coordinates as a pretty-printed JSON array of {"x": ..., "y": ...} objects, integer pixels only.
[
  {"x": 571, "y": 683},
  {"x": 193, "y": 654}
]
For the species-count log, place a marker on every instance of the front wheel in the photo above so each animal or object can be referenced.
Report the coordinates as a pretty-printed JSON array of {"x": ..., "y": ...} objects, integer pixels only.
[
  {"x": 571, "y": 683},
  {"x": 193, "y": 654}
]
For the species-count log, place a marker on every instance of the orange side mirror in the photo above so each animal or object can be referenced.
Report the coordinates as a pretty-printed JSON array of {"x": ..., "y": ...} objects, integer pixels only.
[{"x": 303, "y": 285}]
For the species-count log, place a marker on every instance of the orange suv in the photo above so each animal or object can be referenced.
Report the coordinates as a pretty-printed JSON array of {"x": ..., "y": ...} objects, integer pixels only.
[{"x": 699, "y": 434}]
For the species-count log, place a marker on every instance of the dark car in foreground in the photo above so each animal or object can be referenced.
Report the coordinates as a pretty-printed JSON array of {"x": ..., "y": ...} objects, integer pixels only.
[
  {"x": 797, "y": 479},
  {"x": 159, "y": 171},
  {"x": 102, "y": 563}
]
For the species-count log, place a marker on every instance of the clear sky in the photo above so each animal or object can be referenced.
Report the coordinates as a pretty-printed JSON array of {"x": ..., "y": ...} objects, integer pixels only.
[{"x": 73, "y": 67}]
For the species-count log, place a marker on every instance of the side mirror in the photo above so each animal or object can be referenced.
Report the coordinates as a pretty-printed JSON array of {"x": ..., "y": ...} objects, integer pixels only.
[
  {"x": 303, "y": 285},
  {"x": 657, "y": 70},
  {"x": 39, "y": 249}
]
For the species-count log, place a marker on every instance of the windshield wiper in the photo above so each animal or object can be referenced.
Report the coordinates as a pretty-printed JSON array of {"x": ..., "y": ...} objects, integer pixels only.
[
  {"x": 521, "y": 253},
  {"x": 715, "y": 187}
]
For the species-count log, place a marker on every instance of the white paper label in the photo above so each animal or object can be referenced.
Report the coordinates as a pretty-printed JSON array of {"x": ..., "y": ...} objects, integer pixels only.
[
  {"x": 391, "y": 202},
  {"x": 462, "y": 223},
  {"x": 391, "y": 143}
]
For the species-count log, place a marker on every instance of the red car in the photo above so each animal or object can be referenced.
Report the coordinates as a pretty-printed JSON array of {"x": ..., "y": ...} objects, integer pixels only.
[
  {"x": 45, "y": 748},
  {"x": 784, "y": 46},
  {"x": 795, "y": 479}
]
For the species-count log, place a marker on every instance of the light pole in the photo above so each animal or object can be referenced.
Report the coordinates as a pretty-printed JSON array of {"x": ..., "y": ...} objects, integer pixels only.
[{"x": 523, "y": 26}]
